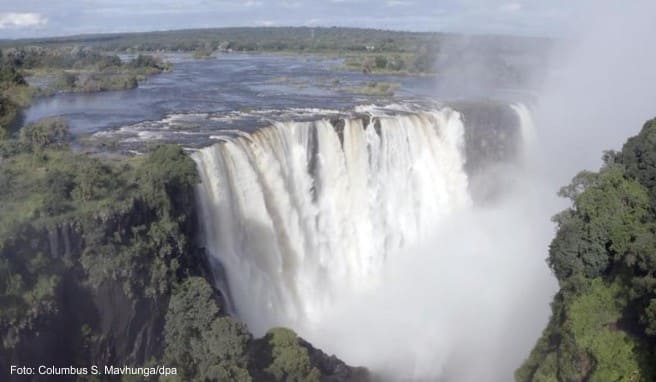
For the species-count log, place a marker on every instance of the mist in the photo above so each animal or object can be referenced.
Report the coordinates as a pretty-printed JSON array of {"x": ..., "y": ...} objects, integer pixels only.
[
  {"x": 469, "y": 303},
  {"x": 464, "y": 295},
  {"x": 600, "y": 89},
  {"x": 399, "y": 219},
  {"x": 466, "y": 305},
  {"x": 408, "y": 273}
]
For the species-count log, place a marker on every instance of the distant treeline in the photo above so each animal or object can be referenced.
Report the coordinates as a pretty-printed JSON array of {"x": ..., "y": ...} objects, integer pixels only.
[
  {"x": 281, "y": 39},
  {"x": 79, "y": 68},
  {"x": 369, "y": 50}
]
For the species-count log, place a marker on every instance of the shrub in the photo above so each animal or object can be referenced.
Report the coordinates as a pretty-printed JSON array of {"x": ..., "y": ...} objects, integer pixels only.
[{"x": 47, "y": 132}]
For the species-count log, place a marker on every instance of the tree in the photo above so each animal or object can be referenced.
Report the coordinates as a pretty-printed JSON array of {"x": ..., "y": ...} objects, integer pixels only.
[
  {"x": 222, "y": 352},
  {"x": 604, "y": 255},
  {"x": 8, "y": 73},
  {"x": 94, "y": 180},
  {"x": 47, "y": 132},
  {"x": 639, "y": 155},
  {"x": 148, "y": 63},
  {"x": 602, "y": 226},
  {"x": 170, "y": 170},
  {"x": 66, "y": 80},
  {"x": 291, "y": 361},
  {"x": 8, "y": 113},
  {"x": 190, "y": 313},
  {"x": 204, "y": 345},
  {"x": 381, "y": 62},
  {"x": 60, "y": 185}
]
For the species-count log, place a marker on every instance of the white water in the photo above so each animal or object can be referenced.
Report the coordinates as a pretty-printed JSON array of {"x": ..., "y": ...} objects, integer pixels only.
[
  {"x": 370, "y": 248},
  {"x": 292, "y": 241}
]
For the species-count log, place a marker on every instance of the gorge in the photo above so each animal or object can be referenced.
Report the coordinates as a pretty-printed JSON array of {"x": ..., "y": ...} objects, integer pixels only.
[
  {"x": 295, "y": 192},
  {"x": 304, "y": 219},
  {"x": 232, "y": 215}
]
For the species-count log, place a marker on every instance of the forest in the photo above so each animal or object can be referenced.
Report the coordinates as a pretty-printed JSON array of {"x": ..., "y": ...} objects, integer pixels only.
[
  {"x": 369, "y": 50},
  {"x": 603, "y": 324}
]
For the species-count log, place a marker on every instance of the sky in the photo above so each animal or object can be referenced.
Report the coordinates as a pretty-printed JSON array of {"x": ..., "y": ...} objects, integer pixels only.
[{"x": 38, "y": 18}]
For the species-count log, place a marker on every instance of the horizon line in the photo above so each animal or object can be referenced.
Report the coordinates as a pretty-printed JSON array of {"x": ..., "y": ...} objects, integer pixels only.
[{"x": 154, "y": 31}]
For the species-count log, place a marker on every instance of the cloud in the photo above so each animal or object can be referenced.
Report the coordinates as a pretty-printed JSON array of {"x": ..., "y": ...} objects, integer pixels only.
[
  {"x": 65, "y": 17},
  {"x": 21, "y": 20},
  {"x": 510, "y": 7},
  {"x": 397, "y": 3},
  {"x": 290, "y": 4}
]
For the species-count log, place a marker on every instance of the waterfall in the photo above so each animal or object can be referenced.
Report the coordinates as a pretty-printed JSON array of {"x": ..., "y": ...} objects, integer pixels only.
[
  {"x": 301, "y": 213},
  {"x": 527, "y": 129}
]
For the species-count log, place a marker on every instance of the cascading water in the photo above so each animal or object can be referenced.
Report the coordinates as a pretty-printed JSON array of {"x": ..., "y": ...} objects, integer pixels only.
[
  {"x": 300, "y": 212},
  {"x": 529, "y": 140},
  {"x": 360, "y": 235}
]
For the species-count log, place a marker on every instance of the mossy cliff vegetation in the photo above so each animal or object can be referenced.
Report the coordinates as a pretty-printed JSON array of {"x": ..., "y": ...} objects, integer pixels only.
[
  {"x": 206, "y": 345},
  {"x": 90, "y": 249},
  {"x": 603, "y": 326}
]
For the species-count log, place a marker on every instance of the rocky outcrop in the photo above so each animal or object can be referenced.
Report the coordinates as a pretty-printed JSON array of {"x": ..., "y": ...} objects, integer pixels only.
[{"x": 332, "y": 368}]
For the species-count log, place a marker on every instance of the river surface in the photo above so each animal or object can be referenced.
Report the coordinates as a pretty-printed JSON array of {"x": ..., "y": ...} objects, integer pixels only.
[{"x": 229, "y": 92}]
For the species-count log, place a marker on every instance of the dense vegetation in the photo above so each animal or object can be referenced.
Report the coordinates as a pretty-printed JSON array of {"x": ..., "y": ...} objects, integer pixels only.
[
  {"x": 206, "y": 345},
  {"x": 253, "y": 39},
  {"x": 80, "y": 69},
  {"x": 97, "y": 254},
  {"x": 14, "y": 94},
  {"x": 369, "y": 50},
  {"x": 98, "y": 266},
  {"x": 72, "y": 224},
  {"x": 603, "y": 326}
]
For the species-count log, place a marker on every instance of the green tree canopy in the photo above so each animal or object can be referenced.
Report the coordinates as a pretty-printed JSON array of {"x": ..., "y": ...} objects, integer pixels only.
[{"x": 204, "y": 345}]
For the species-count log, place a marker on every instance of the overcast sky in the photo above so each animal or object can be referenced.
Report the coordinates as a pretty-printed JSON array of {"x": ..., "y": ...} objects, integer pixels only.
[{"x": 31, "y": 18}]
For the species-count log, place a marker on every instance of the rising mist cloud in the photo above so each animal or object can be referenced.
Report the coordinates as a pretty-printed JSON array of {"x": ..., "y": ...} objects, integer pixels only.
[{"x": 601, "y": 87}]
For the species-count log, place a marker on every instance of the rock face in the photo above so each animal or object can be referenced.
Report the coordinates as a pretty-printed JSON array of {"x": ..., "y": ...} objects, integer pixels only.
[
  {"x": 493, "y": 141},
  {"x": 492, "y": 134},
  {"x": 89, "y": 325}
]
